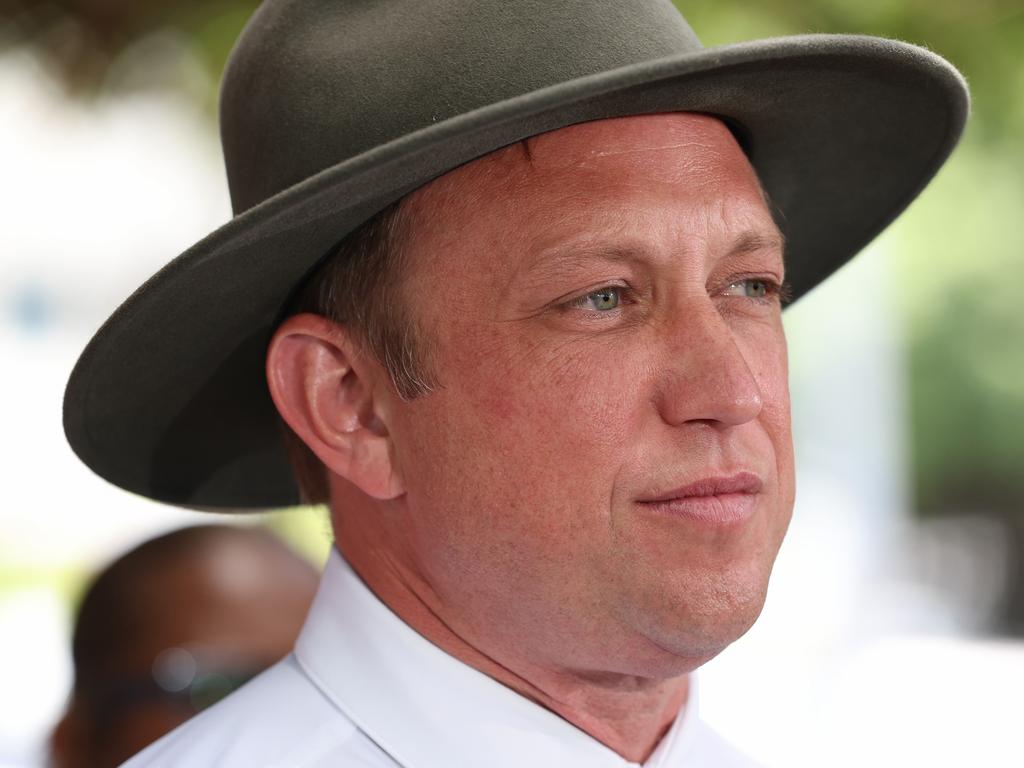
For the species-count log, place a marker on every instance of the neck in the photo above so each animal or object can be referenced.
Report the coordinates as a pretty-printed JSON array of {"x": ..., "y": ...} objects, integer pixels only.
[{"x": 627, "y": 714}]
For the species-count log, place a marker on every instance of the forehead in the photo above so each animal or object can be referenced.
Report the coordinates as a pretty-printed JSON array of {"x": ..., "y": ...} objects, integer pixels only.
[
  {"x": 669, "y": 148},
  {"x": 616, "y": 174}
]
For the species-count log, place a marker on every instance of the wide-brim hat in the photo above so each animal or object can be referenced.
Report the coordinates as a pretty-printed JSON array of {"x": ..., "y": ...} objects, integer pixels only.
[{"x": 332, "y": 110}]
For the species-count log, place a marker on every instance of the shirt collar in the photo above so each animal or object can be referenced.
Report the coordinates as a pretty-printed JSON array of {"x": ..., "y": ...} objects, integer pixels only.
[{"x": 426, "y": 708}]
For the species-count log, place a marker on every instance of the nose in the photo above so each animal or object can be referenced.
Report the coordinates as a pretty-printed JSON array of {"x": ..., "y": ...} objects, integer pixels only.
[{"x": 705, "y": 375}]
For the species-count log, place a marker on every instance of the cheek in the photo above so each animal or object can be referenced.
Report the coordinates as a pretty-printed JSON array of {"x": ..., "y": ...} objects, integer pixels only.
[
  {"x": 534, "y": 437},
  {"x": 768, "y": 359},
  {"x": 764, "y": 350},
  {"x": 563, "y": 402},
  {"x": 520, "y": 479}
]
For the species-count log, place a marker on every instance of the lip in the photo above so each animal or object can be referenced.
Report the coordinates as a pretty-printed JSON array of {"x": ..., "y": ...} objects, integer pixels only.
[
  {"x": 739, "y": 483},
  {"x": 719, "y": 500}
]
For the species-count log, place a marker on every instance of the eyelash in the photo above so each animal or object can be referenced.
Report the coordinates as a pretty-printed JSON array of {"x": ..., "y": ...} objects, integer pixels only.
[
  {"x": 773, "y": 292},
  {"x": 625, "y": 294}
]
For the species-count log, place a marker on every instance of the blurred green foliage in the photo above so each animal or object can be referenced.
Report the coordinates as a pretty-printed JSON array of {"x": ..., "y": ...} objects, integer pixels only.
[
  {"x": 957, "y": 258},
  {"x": 306, "y": 529},
  {"x": 983, "y": 38}
]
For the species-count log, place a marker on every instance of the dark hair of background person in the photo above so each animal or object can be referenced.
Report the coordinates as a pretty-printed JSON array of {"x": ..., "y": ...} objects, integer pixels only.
[{"x": 170, "y": 627}]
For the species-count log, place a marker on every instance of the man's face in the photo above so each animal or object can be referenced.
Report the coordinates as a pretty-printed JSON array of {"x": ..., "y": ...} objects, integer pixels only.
[{"x": 600, "y": 338}]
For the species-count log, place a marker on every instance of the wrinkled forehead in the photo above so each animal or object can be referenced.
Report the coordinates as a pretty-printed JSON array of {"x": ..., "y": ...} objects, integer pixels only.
[
  {"x": 661, "y": 140},
  {"x": 668, "y": 148}
]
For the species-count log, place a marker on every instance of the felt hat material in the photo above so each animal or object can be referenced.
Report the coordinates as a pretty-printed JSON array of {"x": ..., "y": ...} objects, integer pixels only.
[{"x": 332, "y": 110}]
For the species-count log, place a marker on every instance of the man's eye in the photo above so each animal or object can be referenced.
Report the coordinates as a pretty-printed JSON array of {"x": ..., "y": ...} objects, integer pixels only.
[
  {"x": 601, "y": 300},
  {"x": 753, "y": 288}
]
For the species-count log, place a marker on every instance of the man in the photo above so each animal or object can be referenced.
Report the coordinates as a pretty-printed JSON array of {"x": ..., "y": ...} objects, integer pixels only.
[
  {"x": 171, "y": 626},
  {"x": 539, "y": 373}
]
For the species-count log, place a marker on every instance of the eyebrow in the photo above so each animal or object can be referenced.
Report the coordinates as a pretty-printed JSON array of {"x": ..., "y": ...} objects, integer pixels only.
[
  {"x": 751, "y": 242},
  {"x": 567, "y": 255}
]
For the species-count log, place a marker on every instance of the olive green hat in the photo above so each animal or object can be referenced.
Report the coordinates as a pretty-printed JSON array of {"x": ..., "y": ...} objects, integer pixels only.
[{"x": 333, "y": 109}]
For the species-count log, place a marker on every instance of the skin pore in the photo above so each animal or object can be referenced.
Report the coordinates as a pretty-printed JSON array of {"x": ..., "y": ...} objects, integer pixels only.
[{"x": 602, "y": 309}]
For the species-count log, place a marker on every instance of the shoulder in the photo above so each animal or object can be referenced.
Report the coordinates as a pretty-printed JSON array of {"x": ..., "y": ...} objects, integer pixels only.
[{"x": 278, "y": 719}]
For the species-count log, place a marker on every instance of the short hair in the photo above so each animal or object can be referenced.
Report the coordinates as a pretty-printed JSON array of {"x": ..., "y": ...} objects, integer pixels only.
[{"x": 359, "y": 284}]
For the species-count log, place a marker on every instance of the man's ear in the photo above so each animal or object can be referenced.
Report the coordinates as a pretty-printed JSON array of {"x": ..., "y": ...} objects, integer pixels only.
[{"x": 329, "y": 394}]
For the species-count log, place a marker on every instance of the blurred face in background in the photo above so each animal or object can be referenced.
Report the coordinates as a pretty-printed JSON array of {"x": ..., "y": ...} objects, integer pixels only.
[
  {"x": 188, "y": 627},
  {"x": 604, "y": 477}
]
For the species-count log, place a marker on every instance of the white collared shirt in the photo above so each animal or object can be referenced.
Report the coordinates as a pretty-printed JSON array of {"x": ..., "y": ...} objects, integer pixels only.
[{"x": 362, "y": 688}]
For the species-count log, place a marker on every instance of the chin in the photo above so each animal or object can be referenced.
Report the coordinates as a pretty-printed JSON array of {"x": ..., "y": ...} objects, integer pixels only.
[
  {"x": 689, "y": 623},
  {"x": 708, "y": 635}
]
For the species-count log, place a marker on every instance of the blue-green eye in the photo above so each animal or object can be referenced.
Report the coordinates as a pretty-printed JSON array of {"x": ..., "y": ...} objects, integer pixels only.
[
  {"x": 602, "y": 300},
  {"x": 752, "y": 288}
]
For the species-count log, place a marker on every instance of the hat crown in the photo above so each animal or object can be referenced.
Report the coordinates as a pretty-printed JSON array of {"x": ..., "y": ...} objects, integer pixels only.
[{"x": 312, "y": 83}]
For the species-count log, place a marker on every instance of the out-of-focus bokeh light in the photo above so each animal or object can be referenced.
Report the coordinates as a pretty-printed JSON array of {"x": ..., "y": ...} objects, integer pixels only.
[{"x": 891, "y": 636}]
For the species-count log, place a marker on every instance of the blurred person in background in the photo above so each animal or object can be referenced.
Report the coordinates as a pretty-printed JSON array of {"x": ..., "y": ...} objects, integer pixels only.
[
  {"x": 512, "y": 275},
  {"x": 169, "y": 628}
]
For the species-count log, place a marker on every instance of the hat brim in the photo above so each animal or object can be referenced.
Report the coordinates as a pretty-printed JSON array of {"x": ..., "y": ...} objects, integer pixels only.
[{"x": 169, "y": 398}]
